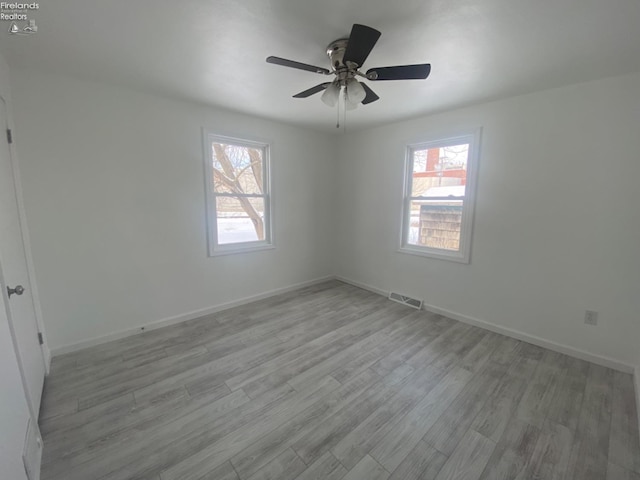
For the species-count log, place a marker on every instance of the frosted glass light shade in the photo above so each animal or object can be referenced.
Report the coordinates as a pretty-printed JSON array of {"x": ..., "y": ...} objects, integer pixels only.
[
  {"x": 331, "y": 95},
  {"x": 347, "y": 103},
  {"x": 355, "y": 92}
]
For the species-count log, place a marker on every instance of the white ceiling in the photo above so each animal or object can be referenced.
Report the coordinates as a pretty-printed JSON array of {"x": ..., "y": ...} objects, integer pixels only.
[{"x": 213, "y": 51}]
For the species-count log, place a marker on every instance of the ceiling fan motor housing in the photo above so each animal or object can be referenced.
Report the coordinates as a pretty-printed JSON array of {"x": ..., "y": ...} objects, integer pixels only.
[{"x": 335, "y": 52}]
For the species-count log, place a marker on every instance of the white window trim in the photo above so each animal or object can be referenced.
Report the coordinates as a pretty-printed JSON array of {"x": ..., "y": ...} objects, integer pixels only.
[
  {"x": 215, "y": 249},
  {"x": 466, "y": 234}
]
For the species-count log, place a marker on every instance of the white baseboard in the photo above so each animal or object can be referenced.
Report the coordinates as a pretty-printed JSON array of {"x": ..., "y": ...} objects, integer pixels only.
[
  {"x": 541, "y": 342},
  {"x": 165, "y": 322},
  {"x": 551, "y": 345},
  {"x": 509, "y": 332},
  {"x": 371, "y": 288}
]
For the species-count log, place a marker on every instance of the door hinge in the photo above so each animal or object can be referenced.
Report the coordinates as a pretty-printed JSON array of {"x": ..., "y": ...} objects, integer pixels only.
[
  {"x": 9, "y": 136},
  {"x": 40, "y": 339}
]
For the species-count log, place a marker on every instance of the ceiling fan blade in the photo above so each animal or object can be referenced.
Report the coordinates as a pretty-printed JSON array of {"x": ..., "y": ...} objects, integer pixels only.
[
  {"x": 361, "y": 41},
  {"x": 312, "y": 90},
  {"x": 402, "y": 72},
  {"x": 371, "y": 95},
  {"x": 300, "y": 66}
]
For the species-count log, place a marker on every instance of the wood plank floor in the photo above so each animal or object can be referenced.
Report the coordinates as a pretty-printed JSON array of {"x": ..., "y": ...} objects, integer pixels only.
[{"x": 334, "y": 382}]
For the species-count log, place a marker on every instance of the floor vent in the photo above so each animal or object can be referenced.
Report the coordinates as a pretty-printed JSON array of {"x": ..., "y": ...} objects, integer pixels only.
[{"x": 411, "y": 302}]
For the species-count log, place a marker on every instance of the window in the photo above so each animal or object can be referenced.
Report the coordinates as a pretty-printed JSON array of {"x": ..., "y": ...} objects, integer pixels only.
[
  {"x": 238, "y": 200},
  {"x": 439, "y": 197}
]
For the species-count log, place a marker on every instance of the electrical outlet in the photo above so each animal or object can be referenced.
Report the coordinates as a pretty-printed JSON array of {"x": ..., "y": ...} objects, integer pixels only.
[{"x": 591, "y": 317}]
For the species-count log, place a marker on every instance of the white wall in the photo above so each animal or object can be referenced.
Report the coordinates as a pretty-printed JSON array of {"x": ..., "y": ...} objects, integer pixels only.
[
  {"x": 114, "y": 193},
  {"x": 557, "y": 226}
]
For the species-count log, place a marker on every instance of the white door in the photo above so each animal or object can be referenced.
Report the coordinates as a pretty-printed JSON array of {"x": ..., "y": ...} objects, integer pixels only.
[
  {"x": 14, "y": 414},
  {"x": 21, "y": 312}
]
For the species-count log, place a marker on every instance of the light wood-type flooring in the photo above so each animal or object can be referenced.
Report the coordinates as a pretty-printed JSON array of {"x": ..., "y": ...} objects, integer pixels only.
[{"x": 334, "y": 382}]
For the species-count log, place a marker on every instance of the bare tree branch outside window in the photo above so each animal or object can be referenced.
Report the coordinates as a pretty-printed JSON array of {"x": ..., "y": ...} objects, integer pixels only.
[{"x": 237, "y": 172}]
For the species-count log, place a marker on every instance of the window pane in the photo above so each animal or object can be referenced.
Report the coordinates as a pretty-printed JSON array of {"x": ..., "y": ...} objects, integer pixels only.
[
  {"x": 237, "y": 169},
  {"x": 240, "y": 219},
  {"x": 435, "y": 224},
  {"x": 440, "y": 172}
]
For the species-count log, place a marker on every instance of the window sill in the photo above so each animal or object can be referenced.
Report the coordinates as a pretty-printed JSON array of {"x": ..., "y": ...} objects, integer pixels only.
[
  {"x": 236, "y": 249},
  {"x": 458, "y": 257}
]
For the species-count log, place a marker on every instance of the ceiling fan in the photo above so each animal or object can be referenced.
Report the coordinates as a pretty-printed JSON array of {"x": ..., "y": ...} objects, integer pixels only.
[{"x": 347, "y": 55}]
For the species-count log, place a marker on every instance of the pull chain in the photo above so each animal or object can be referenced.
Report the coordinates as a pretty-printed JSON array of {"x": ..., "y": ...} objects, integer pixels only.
[{"x": 344, "y": 123}]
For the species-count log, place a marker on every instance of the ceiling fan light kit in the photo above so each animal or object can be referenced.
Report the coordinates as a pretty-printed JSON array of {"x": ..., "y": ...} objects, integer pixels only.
[
  {"x": 331, "y": 95},
  {"x": 347, "y": 55},
  {"x": 354, "y": 91}
]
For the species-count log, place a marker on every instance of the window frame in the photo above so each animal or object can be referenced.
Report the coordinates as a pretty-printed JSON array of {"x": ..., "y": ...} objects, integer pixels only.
[
  {"x": 214, "y": 248},
  {"x": 463, "y": 255}
]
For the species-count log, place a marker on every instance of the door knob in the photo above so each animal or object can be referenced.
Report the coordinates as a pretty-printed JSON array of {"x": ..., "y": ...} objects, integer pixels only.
[{"x": 19, "y": 290}]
